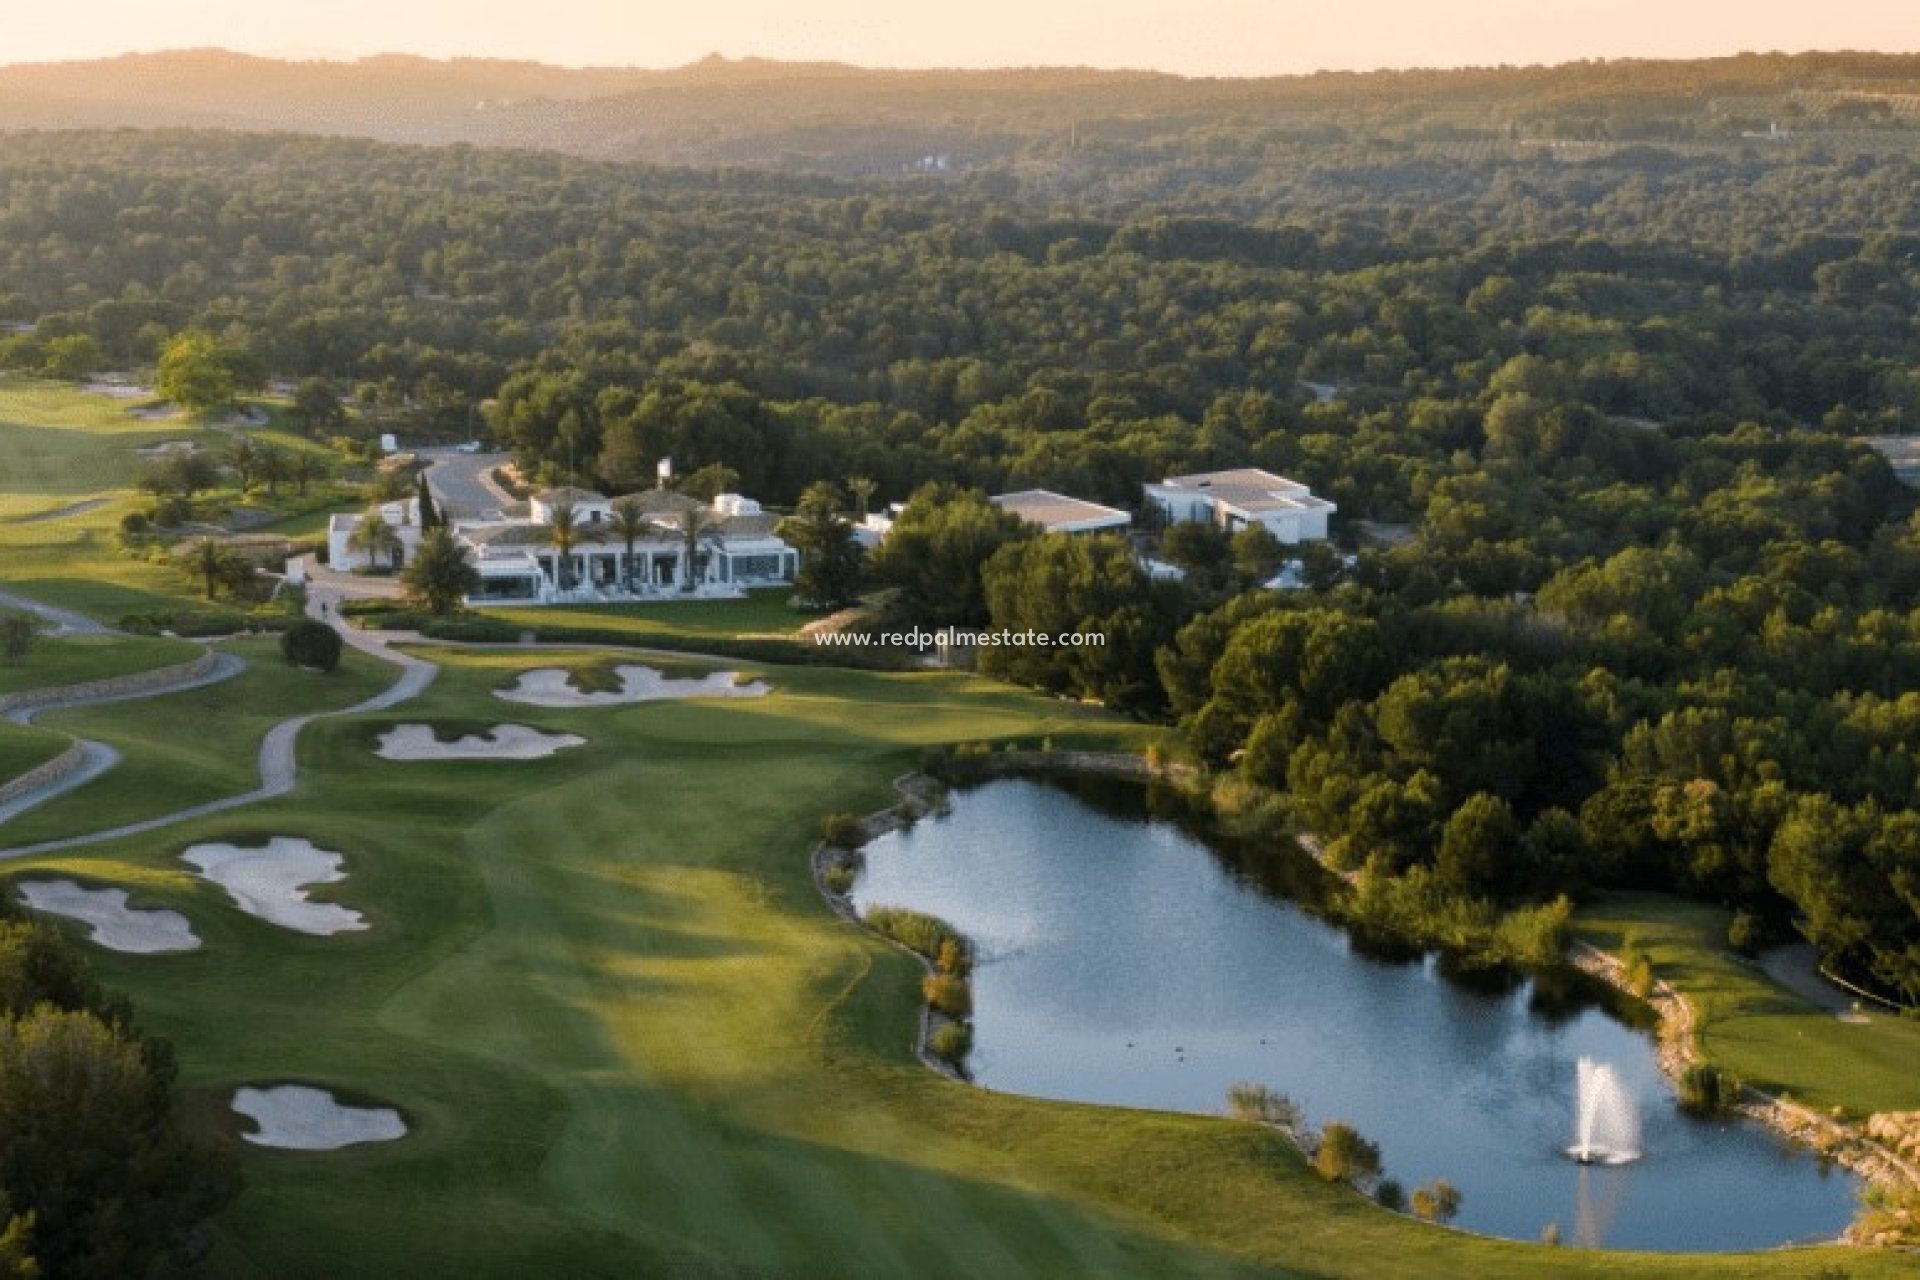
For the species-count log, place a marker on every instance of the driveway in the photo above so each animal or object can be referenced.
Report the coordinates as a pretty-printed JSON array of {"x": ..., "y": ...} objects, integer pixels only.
[{"x": 461, "y": 481}]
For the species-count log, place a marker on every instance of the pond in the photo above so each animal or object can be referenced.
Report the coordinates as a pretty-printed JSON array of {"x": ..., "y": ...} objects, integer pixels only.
[{"x": 1120, "y": 961}]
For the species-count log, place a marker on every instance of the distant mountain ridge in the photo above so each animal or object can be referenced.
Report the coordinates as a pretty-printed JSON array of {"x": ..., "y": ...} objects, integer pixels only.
[{"x": 842, "y": 118}]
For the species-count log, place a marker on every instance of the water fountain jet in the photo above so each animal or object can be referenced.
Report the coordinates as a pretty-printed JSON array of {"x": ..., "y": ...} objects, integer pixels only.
[{"x": 1606, "y": 1120}]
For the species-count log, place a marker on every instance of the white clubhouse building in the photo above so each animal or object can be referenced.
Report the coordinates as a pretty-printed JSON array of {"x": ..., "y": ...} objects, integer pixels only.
[{"x": 734, "y": 548}]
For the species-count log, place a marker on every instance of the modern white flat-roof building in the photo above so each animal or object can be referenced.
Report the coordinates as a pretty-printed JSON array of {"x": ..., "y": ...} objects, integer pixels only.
[
  {"x": 1057, "y": 513},
  {"x": 735, "y": 548},
  {"x": 1242, "y": 497}
]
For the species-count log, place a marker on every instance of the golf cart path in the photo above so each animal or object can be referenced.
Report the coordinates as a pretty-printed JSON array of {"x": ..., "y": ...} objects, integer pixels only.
[
  {"x": 63, "y": 621},
  {"x": 278, "y": 766},
  {"x": 98, "y": 757}
]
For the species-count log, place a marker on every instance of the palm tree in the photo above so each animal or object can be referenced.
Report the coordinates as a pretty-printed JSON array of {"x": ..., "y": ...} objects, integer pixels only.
[
  {"x": 862, "y": 490},
  {"x": 630, "y": 524},
  {"x": 211, "y": 561},
  {"x": 696, "y": 525},
  {"x": 374, "y": 536},
  {"x": 563, "y": 532}
]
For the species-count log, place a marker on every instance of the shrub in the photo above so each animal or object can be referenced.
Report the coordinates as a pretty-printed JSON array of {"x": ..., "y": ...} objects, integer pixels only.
[
  {"x": 954, "y": 957},
  {"x": 1438, "y": 1201},
  {"x": 311, "y": 644},
  {"x": 1259, "y": 1104},
  {"x": 136, "y": 524},
  {"x": 1390, "y": 1195},
  {"x": 951, "y": 1042},
  {"x": 844, "y": 830},
  {"x": 1344, "y": 1156},
  {"x": 1636, "y": 968},
  {"x": 1706, "y": 1090},
  {"x": 1746, "y": 933},
  {"x": 947, "y": 993},
  {"x": 838, "y": 877},
  {"x": 911, "y": 929}
]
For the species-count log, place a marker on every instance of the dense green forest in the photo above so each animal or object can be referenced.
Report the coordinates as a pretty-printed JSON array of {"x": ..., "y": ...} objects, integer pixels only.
[{"x": 1653, "y": 617}]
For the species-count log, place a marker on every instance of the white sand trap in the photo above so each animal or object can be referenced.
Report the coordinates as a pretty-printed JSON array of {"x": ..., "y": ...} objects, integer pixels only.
[
  {"x": 549, "y": 687},
  {"x": 502, "y": 742},
  {"x": 116, "y": 926},
  {"x": 300, "y": 1118},
  {"x": 271, "y": 882}
]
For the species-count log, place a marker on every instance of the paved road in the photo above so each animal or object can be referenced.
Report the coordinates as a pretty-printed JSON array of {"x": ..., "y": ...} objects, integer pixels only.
[
  {"x": 461, "y": 483},
  {"x": 63, "y": 621}
]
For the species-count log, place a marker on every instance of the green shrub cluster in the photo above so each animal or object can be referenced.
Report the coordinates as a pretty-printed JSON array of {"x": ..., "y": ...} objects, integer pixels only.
[
  {"x": 911, "y": 929},
  {"x": 1706, "y": 1090},
  {"x": 844, "y": 830}
]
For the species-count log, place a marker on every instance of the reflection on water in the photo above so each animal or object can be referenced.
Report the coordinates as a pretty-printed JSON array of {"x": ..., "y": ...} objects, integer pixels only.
[
  {"x": 1121, "y": 962},
  {"x": 1598, "y": 1192}
]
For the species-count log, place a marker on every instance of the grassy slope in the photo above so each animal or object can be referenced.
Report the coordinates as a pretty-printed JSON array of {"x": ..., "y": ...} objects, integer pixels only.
[
  {"x": 191, "y": 747},
  {"x": 23, "y": 747},
  {"x": 632, "y": 1039},
  {"x": 1752, "y": 1026},
  {"x": 59, "y": 445},
  {"x": 53, "y": 661},
  {"x": 761, "y": 613}
]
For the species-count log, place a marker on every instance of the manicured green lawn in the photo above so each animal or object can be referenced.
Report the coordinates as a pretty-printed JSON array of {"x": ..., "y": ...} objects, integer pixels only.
[
  {"x": 187, "y": 748},
  {"x": 52, "y": 661},
  {"x": 632, "y": 1041},
  {"x": 23, "y": 747},
  {"x": 1749, "y": 1024},
  {"x": 60, "y": 446},
  {"x": 58, "y": 443},
  {"x": 761, "y": 613}
]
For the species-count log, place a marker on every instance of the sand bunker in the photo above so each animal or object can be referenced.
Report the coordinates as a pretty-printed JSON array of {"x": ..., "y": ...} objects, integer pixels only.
[
  {"x": 116, "y": 926},
  {"x": 300, "y": 1118},
  {"x": 502, "y": 742},
  {"x": 549, "y": 687},
  {"x": 271, "y": 882}
]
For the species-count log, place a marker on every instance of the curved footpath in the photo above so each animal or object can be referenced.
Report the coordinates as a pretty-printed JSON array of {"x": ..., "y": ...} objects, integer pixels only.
[
  {"x": 277, "y": 759},
  {"x": 87, "y": 759},
  {"x": 278, "y": 765},
  {"x": 63, "y": 621}
]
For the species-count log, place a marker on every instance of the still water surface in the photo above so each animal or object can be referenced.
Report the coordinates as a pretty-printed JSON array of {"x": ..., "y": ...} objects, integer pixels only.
[{"x": 1121, "y": 962}]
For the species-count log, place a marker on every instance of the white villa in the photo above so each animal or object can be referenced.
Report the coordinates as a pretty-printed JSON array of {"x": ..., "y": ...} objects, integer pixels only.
[
  {"x": 735, "y": 548},
  {"x": 402, "y": 517},
  {"x": 1246, "y": 496},
  {"x": 1057, "y": 513}
]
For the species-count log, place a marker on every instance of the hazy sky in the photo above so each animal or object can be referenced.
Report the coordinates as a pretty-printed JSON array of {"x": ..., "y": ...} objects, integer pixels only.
[{"x": 1218, "y": 37}]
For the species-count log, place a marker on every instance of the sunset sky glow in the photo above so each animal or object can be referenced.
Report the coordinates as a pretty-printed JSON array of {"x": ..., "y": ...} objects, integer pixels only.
[{"x": 1194, "y": 37}]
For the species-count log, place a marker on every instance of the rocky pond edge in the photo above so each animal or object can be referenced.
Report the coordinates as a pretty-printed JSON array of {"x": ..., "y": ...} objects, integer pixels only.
[{"x": 921, "y": 795}]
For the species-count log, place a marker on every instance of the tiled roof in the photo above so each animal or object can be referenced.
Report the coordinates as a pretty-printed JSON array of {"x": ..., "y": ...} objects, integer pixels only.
[
  {"x": 568, "y": 494},
  {"x": 743, "y": 527},
  {"x": 659, "y": 502}
]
